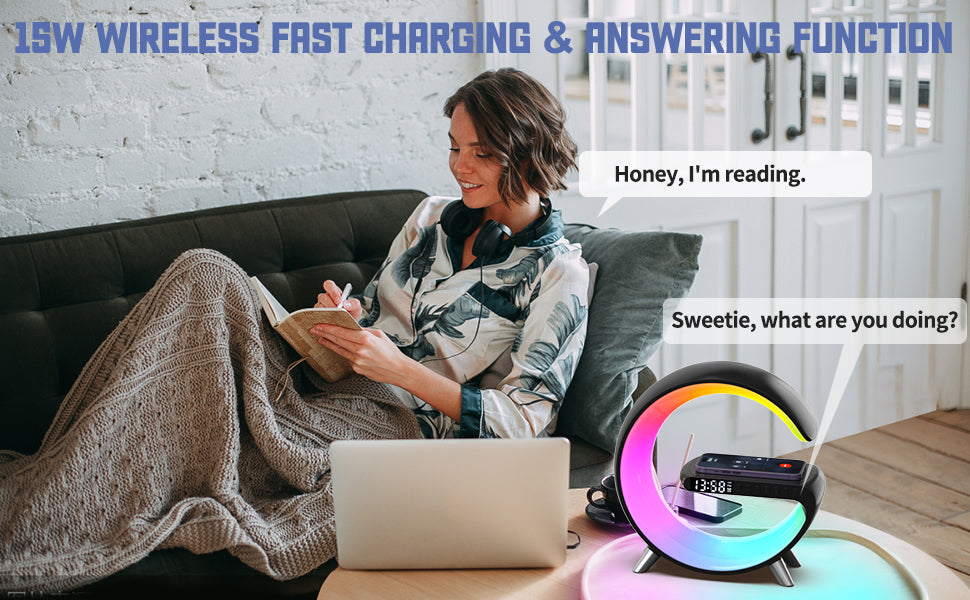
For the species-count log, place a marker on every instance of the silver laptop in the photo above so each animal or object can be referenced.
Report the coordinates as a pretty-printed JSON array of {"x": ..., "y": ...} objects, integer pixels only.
[{"x": 450, "y": 504}]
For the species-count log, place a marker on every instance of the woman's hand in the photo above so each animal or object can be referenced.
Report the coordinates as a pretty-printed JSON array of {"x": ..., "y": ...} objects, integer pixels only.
[
  {"x": 331, "y": 296},
  {"x": 370, "y": 352}
]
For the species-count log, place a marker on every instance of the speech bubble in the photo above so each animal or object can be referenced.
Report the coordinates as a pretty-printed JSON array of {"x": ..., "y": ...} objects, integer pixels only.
[
  {"x": 618, "y": 174},
  {"x": 608, "y": 204},
  {"x": 849, "y": 322}
]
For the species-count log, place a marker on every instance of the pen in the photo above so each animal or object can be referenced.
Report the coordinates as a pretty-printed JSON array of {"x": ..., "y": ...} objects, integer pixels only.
[{"x": 344, "y": 295}]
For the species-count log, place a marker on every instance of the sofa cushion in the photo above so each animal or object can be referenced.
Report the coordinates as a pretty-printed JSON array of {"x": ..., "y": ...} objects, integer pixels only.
[{"x": 637, "y": 272}]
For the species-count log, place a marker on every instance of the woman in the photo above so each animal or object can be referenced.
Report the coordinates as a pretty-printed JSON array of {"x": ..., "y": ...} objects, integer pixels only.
[
  {"x": 186, "y": 429},
  {"x": 441, "y": 311}
]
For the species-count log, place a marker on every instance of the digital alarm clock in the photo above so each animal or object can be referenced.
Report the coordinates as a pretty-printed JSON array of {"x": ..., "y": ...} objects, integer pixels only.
[{"x": 667, "y": 535}]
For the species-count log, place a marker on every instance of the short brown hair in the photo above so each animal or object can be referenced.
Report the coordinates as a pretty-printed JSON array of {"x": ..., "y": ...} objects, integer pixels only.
[{"x": 523, "y": 126}]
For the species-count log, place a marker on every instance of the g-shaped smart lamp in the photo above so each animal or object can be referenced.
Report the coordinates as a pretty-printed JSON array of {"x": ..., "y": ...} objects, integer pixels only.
[{"x": 638, "y": 486}]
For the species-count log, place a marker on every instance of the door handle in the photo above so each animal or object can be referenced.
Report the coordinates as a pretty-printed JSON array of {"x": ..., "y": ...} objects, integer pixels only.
[
  {"x": 758, "y": 135},
  {"x": 792, "y": 133}
]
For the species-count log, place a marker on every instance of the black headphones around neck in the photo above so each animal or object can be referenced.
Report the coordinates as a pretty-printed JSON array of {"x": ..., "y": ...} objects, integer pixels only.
[{"x": 459, "y": 221}]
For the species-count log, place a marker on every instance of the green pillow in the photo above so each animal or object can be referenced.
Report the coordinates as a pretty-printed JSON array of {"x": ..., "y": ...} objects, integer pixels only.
[{"x": 638, "y": 270}]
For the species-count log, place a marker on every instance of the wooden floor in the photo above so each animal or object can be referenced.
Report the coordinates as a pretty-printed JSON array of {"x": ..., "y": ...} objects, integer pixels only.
[{"x": 910, "y": 479}]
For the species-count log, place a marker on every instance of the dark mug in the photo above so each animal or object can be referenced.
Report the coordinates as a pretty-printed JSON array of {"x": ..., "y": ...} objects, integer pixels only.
[{"x": 609, "y": 499}]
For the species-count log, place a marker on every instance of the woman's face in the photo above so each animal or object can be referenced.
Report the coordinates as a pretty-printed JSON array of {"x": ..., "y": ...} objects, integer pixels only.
[{"x": 475, "y": 170}]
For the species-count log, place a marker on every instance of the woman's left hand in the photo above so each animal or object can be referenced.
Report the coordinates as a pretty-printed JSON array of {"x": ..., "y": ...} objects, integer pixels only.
[{"x": 370, "y": 352}]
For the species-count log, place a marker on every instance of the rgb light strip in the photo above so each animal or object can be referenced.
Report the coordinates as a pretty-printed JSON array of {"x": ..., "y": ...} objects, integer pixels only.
[{"x": 639, "y": 487}]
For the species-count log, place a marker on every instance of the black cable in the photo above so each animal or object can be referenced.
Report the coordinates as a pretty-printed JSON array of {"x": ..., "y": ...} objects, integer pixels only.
[
  {"x": 481, "y": 311},
  {"x": 579, "y": 540}
]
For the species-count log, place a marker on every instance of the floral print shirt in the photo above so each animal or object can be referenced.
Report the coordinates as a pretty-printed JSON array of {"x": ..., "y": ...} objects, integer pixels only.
[{"x": 509, "y": 329}]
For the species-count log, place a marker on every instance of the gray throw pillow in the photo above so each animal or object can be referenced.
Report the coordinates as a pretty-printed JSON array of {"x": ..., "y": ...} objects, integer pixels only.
[{"x": 638, "y": 270}]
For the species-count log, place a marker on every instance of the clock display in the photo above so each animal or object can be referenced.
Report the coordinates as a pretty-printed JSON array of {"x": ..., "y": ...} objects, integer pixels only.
[{"x": 713, "y": 486}]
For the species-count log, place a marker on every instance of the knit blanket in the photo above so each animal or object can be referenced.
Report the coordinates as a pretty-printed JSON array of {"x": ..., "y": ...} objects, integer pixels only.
[{"x": 173, "y": 436}]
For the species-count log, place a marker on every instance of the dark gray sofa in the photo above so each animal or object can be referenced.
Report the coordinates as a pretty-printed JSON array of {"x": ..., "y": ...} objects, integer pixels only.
[{"x": 63, "y": 292}]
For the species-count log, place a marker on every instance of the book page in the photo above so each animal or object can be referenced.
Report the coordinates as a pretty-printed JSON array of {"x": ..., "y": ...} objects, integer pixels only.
[{"x": 271, "y": 306}]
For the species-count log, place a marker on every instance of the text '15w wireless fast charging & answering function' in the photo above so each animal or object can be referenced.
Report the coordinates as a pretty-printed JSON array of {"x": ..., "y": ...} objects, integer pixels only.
[{"x": 669, "y": 536}]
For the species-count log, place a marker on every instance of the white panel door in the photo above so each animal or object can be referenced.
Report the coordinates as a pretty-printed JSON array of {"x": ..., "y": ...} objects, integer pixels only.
[{"x": 907, "y": 238}]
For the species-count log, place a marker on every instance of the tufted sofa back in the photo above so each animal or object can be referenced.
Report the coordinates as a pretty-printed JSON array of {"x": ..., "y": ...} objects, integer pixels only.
[{"x": 61, "y": 293}]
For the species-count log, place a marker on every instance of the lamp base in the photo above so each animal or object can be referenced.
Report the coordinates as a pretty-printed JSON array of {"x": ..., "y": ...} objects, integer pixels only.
[
  {"x": 646, "y": 561},
  {"x": 779, "y": 568}
]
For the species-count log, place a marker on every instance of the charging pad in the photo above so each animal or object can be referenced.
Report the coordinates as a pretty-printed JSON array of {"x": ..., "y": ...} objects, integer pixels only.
[{"x": 871, "y": 564}]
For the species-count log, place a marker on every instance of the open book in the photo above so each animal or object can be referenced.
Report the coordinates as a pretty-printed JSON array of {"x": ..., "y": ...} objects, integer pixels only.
[{"x": 295, "y": 329}]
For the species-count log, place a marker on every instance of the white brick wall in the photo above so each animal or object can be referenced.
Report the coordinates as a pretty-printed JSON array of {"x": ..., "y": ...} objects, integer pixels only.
[{"x": 93, "y": 138}]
